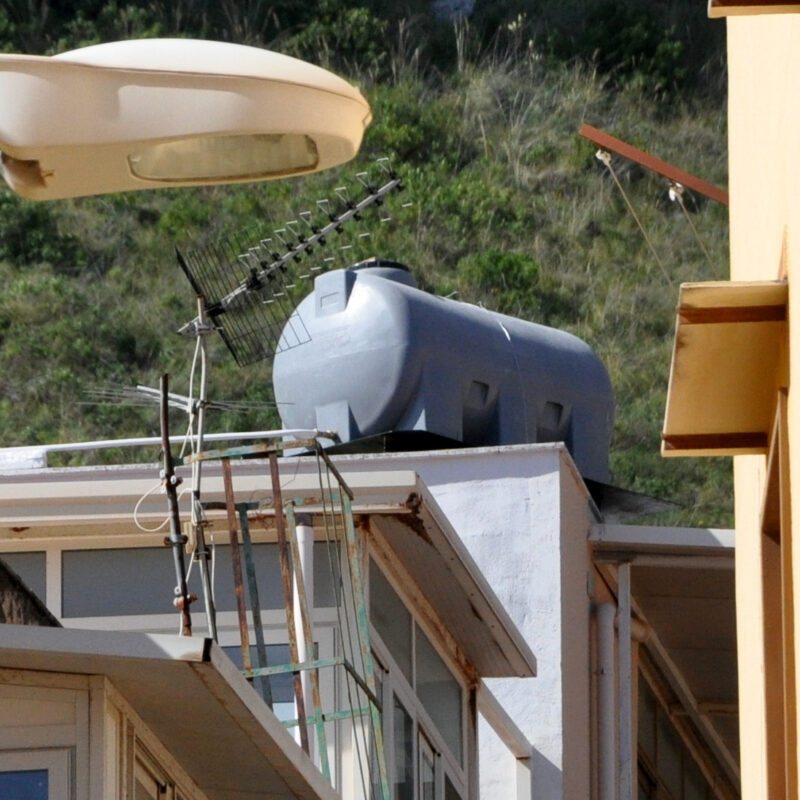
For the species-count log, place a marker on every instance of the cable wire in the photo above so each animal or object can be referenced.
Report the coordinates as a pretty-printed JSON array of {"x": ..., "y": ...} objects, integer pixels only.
[
  {"x": 605, "y": 158},
  {"x": 676, "y": 195}
]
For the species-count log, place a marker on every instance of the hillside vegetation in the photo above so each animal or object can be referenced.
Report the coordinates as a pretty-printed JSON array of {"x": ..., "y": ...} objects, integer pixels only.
[{"x": 504, "y": 204}]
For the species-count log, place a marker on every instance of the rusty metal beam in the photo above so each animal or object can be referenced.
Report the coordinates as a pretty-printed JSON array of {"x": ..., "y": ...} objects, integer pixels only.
[
  {"x": 288, "y": 593},
  {"x": 236, "y": 561},
  {"x": 609, "y": 142}
]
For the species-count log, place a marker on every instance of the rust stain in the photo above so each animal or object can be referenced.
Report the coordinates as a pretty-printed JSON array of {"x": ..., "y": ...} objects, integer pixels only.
[
  {"x": 20, "y": 529},
  {"x": 415, "y": 524}
]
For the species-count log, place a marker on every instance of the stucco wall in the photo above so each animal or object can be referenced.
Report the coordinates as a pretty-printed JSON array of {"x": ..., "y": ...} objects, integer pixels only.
[
  {"x": 524, "y": 516},
  {"x": 764, "y": 167}
]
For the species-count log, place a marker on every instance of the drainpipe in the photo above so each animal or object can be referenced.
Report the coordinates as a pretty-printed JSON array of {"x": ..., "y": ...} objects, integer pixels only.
[
  {"x": 305, "y": 544},
  {"x": 606, "y": 702},
  {"x": 626, "y": 744}
]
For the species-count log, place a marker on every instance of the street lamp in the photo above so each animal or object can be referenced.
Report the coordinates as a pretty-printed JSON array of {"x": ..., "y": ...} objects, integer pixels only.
[{"x": 156, "y": 113}]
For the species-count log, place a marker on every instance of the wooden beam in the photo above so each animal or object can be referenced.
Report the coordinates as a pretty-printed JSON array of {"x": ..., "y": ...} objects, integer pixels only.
[
  {"x": 729, "y": 8},
  {"x": 609, "y": 142},
  {"x": 720, "y": 314},
  {"x": 746, "y": 440}
]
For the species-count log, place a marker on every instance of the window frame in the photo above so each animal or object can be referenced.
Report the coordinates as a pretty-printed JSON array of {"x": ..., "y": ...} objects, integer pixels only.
[
  {"x": 394, "y": 682},
  {"x": 57, "y": 761}
]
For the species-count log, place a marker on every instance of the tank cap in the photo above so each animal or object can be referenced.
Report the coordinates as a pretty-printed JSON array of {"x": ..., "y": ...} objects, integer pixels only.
[{"x": 374, "y": 261}]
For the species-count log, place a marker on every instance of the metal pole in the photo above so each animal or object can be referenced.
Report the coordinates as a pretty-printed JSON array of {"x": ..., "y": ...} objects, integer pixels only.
[
  {"x": 303, "y": 559},
  {"x": 626, "y": 781},
  {"x": 261, "y": 683},
  {"x": 176, "y": 539},
  {"x": 201, "y": 550},
  {"x": 303, "y": 590},
  {"x": 286, "y": 576},
  {"x": 362, "y": 620},
  {"x": 606, "y": 707},
  {"x": 236, "y": 560}
]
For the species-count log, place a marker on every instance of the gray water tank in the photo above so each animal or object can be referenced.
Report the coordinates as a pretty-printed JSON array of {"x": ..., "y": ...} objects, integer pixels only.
[{"x": 384, "y": 356}]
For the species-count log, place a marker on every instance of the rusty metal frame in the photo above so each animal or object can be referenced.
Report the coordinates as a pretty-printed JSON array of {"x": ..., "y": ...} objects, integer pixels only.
[
  {"x": 305, "y": 623},
  {"x": 261, "y": 683},
  {"x": 673, "y": 173}
]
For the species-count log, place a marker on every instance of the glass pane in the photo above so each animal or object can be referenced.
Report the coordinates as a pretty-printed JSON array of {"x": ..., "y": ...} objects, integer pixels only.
[
  {"x": 403, "y": 753},
  {"x": 426, "y": 772},
  {"x": 695, "y": 786},
  {"x": 29, "y": 784},
  {"x": 282, "y": 685},
  {"x": 647, "y": 721},
  {"x": 391, "y": 618},
  {"x": 31, "y": 568},
  {"x": 375, "y": 777},
  {"x": 440, "y": 694},
  {"x": 141, "y": 580},
  {"x": 669, "y": 755},
  {"x": 145, "y": 792},
  {"x": 450, "y": 792}
]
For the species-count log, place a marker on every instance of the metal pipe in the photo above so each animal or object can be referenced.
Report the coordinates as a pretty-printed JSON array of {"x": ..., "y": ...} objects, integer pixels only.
[
  {"x": 176, "y": 539},
  {"x": 606, "y": 705},
  {"x": 304, "y": 534},
  {"x": 236, "y": 561},
  {"x": 288, "y": 593},
  {"x": 626, "y": 760},
  {"x": 144, "y": 441},
  {"x": 201, "y": 552},
  {"x": 261, "y": 683}
]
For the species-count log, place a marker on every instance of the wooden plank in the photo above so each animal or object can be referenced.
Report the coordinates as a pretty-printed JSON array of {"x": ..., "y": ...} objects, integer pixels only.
[
  {"x": 746, "y": 440},
  {"x": 719, "y": 294},
  {"x": 729, "y": 8},
  {"x": 609, "y": 142},
  {"x": 788, "y": 600},
  {"x": 722, "y": 314}
]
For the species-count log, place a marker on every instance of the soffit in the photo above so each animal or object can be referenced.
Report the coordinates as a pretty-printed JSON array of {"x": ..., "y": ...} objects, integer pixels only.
[
  {"x": 693, "y": 613},
  {"x": 728, "y": 361},
  {"x": 431, "y": 552},
  {"x": 186, "y": 690}
]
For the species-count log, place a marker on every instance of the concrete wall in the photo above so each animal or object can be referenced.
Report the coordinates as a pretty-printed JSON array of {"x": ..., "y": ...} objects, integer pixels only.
[{"x": 524, "y": 515}]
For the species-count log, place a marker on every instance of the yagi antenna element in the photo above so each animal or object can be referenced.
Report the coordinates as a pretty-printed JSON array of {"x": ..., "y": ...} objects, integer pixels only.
[{"x": 251, "y": 283}]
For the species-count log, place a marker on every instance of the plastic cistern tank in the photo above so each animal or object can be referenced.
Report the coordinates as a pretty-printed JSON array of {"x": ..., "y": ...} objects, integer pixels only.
[{"x": 385, "y": 357}]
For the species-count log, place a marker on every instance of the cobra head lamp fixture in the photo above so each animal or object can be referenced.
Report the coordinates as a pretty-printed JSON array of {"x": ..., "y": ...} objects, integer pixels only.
[{"x": 156, "y": 113}]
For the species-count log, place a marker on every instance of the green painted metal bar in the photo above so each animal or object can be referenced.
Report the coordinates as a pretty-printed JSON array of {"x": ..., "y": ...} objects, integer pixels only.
[
  {"x": 332, "y": 467},
  {"x": 305, "y": 622},
  {"x": 338, "y": 661},
  {"x": 261, "y": 683},
  {"x": 354, "y": 558},
  {"x": 333, "y": 716},
  {"x": 245, "y": 451}
]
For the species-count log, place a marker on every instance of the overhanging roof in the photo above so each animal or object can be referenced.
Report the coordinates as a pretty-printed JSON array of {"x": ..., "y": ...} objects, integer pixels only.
[
  {"x": 185, "y": 690},
  {"x": 682, "y": 583},
  {"x": 431, "y": 551},
  {"x": 728, "y": 361},
  {"x": 80, "y": 503}
]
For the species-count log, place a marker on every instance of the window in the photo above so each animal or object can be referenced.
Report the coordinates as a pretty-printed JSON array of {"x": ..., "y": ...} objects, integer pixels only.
[
  {"x": 135, "y": 581},
  {"x": 666, "y": 767},
  {"x": 35, "y": 774},
  {"x": 423, "y": 702},
  {"x": 31, "y": 568}
]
